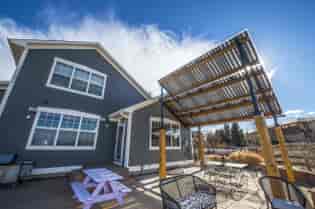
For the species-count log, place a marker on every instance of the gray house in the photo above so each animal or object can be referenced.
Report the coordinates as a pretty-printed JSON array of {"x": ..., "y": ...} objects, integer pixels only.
[
  {"x": 70, "y": 104},
  {"x": 3, "y": 88}
]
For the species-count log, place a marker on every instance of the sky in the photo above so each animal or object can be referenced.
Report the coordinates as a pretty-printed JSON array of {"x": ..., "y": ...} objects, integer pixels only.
[{"x": 153, "y": 38}]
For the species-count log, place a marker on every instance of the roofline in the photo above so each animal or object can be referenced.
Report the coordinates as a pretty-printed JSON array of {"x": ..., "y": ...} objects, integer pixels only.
[
  {"x": 134, "y": 107},
  {"x": 36, "y": 43}
]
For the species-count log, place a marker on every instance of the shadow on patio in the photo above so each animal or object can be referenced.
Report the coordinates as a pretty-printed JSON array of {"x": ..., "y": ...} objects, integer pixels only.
[{"x": 55, "y": 193}]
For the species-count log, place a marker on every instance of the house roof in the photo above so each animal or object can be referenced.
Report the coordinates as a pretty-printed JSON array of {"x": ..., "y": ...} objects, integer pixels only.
[
  {"x": 125, "y": 111},
  {"x": 216, "y": 87},
  {"x": 18, "y": 46}
]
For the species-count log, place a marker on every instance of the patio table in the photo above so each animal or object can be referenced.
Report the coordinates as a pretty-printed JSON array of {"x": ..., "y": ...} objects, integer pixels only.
[
  {"x": 105, "y": 184},
  {"x": 227, "y": 176}
]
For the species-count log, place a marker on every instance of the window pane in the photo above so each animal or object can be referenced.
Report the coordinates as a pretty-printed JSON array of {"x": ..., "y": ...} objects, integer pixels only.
[
  {"x": 176, "y": 141},
  {"x": 155, "y": 141},
  {"x": 67, "y": 138},
  {"x": 88, "y": 124},
  {"x": 168, "y": 140},
  {"x": 81, "y": 75},
  {"x": 95, "y": 89},
  {"x": 47, "y": 119},
  {"x": 59, "y": 80},
  {"x": 43, "y": 137},
  {"x": 79, "y": 85},
  {"x": 63, "y": 70},
  {"x": 86, "y": 139},
  {"x": 96, "y": 79},
  {"x": 69, "y": 121}
]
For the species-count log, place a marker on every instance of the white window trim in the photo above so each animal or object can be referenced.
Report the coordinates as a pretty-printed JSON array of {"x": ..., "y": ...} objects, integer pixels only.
[
  {"x": 157, "y": 119},
  {"x": 29, "y": 146},
  {"x": 75, "y": 65}
]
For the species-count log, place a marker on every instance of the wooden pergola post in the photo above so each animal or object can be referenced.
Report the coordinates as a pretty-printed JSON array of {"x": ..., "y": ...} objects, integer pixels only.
[
  {"x": 162, "y": 166},
  {"x": 284, "y": 153},
  {"x": 266, "y": 146},
  {"x": 201, "y": 150}
]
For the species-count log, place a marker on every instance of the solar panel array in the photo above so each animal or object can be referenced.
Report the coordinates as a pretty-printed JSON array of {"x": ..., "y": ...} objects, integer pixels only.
[{"x": 214, "y": 88}]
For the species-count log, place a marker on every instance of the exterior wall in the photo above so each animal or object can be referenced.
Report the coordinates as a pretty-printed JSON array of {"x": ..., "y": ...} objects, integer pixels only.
[
  {"x": 2, "y": 91},
  {"x": 140, "y": 154},
  {"x": 30, "y": 91}
]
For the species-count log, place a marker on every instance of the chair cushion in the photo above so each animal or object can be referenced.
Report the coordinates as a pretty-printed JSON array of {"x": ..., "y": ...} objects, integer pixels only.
[
  {"x": 285, "y": 204},
  {"x": 198, "y": 200}
]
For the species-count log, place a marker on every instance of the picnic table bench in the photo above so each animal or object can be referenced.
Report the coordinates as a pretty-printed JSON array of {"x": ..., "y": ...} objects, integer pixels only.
[{"x": 106, "y": 184}]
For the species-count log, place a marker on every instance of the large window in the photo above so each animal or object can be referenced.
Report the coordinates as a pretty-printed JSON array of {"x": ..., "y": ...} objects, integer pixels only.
[
  {"x": 173, "y": 139},
  {"x": 63, "y": 129},
  {"x": 76, "y": 78}
]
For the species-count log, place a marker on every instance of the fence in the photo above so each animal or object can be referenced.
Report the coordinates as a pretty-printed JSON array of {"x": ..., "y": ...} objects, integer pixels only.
[{"x": 302, "y": 155}]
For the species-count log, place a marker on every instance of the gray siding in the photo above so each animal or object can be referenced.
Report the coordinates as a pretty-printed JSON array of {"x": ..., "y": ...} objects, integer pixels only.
[
  {"x": 2, "y": 91},
  {"x": 140, "y": 133},
  {"x": 30, "y": 91}
]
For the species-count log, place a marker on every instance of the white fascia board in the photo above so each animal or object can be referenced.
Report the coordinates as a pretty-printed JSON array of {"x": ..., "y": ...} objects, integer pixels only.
[{"x": 133, "y": 108}]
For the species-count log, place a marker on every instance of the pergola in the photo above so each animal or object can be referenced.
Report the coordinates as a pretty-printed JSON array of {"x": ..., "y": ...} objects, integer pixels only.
[{"x": 227, "y": 84}]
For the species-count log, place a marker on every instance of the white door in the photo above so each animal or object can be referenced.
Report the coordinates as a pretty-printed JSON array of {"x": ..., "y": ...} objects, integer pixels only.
[{"x": 120, "y": 142}]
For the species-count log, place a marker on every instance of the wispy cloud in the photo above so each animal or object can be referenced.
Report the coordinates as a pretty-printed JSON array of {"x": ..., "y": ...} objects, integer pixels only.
[
  {"x": 146, "y": 51},
  {"x": 294, "y": 112}
]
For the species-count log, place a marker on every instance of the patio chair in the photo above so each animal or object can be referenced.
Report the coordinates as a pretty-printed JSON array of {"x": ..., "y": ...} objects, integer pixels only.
[
  {"x": 292, "y": 197},
  {"x": 187, "y": 192}
]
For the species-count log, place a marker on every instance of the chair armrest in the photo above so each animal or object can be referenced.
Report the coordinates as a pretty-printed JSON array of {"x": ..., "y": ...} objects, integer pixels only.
[
  {"x": 201, "y": 185},
  {"x": 169, "y": 203}
]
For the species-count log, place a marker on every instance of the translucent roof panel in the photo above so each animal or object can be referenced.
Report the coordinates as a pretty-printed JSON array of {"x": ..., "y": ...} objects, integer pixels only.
[{"x": 215, "y": 87}]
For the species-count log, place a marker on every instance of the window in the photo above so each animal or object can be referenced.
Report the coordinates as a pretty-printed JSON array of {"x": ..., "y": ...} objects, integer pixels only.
[
  {"x": 173, "y": 139},
  {"x": 76, "y": 78},
  {"x": 63, "y": 129}
]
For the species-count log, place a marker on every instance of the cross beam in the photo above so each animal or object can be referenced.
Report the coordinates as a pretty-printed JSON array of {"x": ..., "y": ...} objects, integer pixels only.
[{"x": 214, "y": 87}]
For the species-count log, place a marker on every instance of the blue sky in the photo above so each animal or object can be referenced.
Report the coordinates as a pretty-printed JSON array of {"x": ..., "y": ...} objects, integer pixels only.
[{"x": 167, "y": 34}]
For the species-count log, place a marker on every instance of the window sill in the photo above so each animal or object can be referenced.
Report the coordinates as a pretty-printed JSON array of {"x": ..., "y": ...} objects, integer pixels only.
[
  {"x": 59, "y": 148},
  {"x": 74, "y": 91},
  {"x": 167, "y": 148}
]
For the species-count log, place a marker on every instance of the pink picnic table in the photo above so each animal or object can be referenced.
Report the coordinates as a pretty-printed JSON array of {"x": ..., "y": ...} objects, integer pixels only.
[{"x": 106, "y": 184}]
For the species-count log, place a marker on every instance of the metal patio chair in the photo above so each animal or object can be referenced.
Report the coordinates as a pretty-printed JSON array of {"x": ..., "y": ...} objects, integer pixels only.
[
  {"x": 187, "y": 192},
  {"x": 292, "y": 197}
]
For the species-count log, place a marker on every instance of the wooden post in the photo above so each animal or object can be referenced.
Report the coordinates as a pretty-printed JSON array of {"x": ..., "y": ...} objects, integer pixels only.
[
  {"x": 265, "y": 141},
  {"x": 312, "y": 191},
  {"x": 162, "y": 167},
  {"x": 162, "y": 170},
  {"x": 284, "y": 154},
  {"x": 270, "y": 162},
  {"x": 201, "y": 149}
]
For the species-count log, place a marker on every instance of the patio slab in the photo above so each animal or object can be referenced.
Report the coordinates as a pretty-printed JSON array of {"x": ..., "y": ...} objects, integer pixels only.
[{"x": 55, "y": 193}]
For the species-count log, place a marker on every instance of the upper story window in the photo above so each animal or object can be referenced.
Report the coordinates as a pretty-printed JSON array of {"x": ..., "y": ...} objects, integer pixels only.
[
  {"x": 173, "y": 137},
  {"x": 76, "y": 78},
  {"x": 59, "y": 129}
]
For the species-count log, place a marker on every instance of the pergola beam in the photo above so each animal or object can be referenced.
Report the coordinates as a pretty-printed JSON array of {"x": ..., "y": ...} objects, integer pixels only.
[
  {"x": 221, "y": 102},
  {"x": 213, "y": 88},
  {"x": 228, "y": 120},
  {"x": 227, "y": 107}
]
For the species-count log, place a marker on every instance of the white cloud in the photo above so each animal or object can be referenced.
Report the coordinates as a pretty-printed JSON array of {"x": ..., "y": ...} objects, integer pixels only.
[
  {"x": 294, "y": 112},
  {"x": 147, "y": 52}
]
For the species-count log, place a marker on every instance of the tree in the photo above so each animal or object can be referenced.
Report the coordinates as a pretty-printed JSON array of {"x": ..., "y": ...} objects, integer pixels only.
[
  {"x": 227, "y": 134},
  {"x": 236, "y": 135},
  {"x": 213, "y": 140}
]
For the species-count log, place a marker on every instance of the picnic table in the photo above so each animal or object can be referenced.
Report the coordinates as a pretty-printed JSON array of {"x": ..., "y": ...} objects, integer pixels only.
[{"x": 106, "y": 187}]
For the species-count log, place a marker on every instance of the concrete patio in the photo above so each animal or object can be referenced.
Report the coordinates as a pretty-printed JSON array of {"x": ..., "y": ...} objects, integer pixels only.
[{"x": 55, "y": 193}]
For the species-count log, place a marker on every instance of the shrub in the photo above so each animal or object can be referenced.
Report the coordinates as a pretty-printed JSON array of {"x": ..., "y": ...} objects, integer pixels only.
[
  {"x": 247, "y": 157},
  {"x": 214, "y": 157}
]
